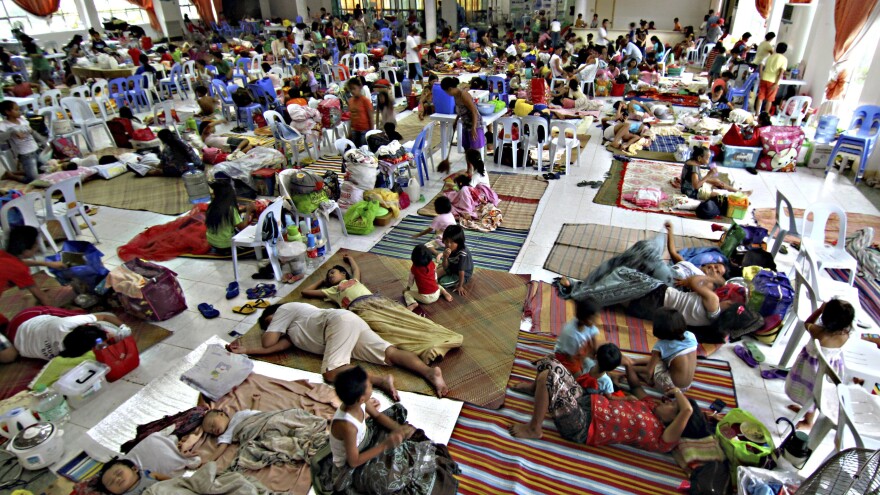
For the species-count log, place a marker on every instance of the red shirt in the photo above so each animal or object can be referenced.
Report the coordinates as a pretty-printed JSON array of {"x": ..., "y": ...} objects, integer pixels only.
[
  {"x": 135, "y": 55},
  {"x": 627, "y": 422},
  {"x": 14, "y": 273},
  {"x": 361, "y": 109},
  {"x": 21, "y": 90},
  {"x": 425, "y": 278}
]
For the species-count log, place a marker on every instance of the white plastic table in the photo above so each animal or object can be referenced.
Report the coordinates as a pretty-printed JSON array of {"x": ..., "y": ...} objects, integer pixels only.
[{"x": 447, "y": 119}]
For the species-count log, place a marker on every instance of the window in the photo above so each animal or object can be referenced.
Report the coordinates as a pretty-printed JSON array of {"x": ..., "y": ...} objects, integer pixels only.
[
  {"x": 186, "y": 7},
  {"x": 121, "y": 10},
  {"x": 65, "y": 19}
]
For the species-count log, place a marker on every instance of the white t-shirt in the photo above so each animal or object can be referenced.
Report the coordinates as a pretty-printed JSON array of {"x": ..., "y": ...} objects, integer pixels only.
[
  {"x": 42, "y": 337},
  {"x": 602, "y": 38},
  {"x": 690, "y": 305},
  {"x": 555, "y": 26},
  {"x": 685, "y": 269},
  {"x": 478, "y": 179},
  {"x": 412, "y": 52},
  {"x": 299, "y": 36},
  {"x": 556, "y": 65},
  {"x": 235, "y": 420},
  {"x": 21, "y": 146}
]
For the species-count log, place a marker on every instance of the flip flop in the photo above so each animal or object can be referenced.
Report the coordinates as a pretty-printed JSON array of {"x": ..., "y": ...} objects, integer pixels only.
[
  {"x": 755, "y": 352},
  {"x": 584, "y": 183},
  {"x": 247, "y": 309},
  {"x": 260, "y": 304},
  {"x": 208, "y": 311},
  {"x": 232, "y": 290},
  {"x": 743, "y": 354},
  {"x": 261, "y": 291},
  {"x": 774, "y": 374}
]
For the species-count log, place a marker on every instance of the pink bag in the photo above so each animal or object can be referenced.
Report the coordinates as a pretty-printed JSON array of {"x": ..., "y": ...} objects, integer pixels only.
[
  {"x": 781, "y": 145},
  {"x": 161, "y": 296}
]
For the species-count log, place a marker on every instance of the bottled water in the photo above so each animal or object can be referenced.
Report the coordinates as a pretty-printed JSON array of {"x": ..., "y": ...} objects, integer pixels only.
[{"x": 50, "y": 405}]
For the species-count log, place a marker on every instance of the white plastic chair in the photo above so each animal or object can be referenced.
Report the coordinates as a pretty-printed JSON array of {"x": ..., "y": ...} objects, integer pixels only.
[
  {"x": 340, "y": 73},
  {"x": 827, "y": 256},
  {"x": 587, "y": 77},
  {"x": 50, "y": 115},
  {"x": 256, "y": 69},
  {"x": 570, "y": 144},
  {"x": 66, "y": 211},
  {"x": 343, "y": 145},
  {"x": 506, "y": 124},
  {"x": 555, "y": 80},
  {"x": 82, "y": 91},
  {"x": 794, "y": 111},
  {"x": 347, "y": 61},
  {"x": 101, "y": 97},
  {"x": 27, "y": 207},
  {"x": 704, "y": 52},
  {"x": 859, "y": 415},
  {"x": 50, "y": 98},
  {"x": 320, "y": 214},
  {"x": 165, "y": 108},
  {"x": 429, "y": 146},
  {"x": 327, "y": 72},
  {"x": 288, "y": 136},
  {"x": 361, "y": 61},
  {"x": 536, "y": 130},
  {"x": 252, "y": 237},
  {"x": 786, "y": 223},
  {"x": 189, "y": 75},
  {"x": 390, "y": 73},
  {"x": 84, "y": 119}
]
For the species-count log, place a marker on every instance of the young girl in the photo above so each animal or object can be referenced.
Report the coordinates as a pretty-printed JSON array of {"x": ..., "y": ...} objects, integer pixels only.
[
  {"x": 25, "y": 141},
  {"x": 384, "y": 109},
  {"x": 692, "y": 185},
  {"x": 226, "y": 144},
  {"x": 222, "y": 218},
  {"x": 835, "y": 319},
  {"x": 426, "y": 102},
  {"x": 476, "y": 168},
  {"x": 424, "y": 275},
  {"x": 673, "y": 359},
  {"x": 458, "y": 266},
  {"x": 578, "y": 341}
]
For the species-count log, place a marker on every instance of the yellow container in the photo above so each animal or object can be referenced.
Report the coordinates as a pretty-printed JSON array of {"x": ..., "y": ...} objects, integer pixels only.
[{"x": 737, "y": 206}]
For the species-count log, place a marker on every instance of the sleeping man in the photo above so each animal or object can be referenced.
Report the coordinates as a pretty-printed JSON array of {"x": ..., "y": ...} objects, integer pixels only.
[{"x": 338, "y": 335}]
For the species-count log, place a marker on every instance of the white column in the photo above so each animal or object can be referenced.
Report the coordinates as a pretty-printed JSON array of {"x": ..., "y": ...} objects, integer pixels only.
[
  {"x": 92, "y": 19},
  {"x": 265, "y": 9},
  {"x": 580, "y": 7},
  {"x": 430, "y": 20},
  {"x": 819, "y": 54},
  {"x": 303, "y": 11},
  {"x": 799, "y": 34},
  {"x": 775, "y": 19},
  {"x": 450, "y": 14}
]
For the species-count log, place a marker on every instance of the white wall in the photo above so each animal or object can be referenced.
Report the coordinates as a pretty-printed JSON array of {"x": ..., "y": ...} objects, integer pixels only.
[
  {"x": 747, "y": 20},
  {"x": 662, "y": 12},
  {"x": 285, "y": 9},
  {"x": 819, "y": 55}
]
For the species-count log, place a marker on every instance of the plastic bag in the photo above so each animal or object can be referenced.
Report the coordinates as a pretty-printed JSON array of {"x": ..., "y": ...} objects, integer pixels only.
[
  {"x": 739, "y": 450},
  {"x": 386, "y": 199},
  {"x": 750, "y": 479},
  {"x": 85, "y": 265},
  {"x": 359, "y": 218}
]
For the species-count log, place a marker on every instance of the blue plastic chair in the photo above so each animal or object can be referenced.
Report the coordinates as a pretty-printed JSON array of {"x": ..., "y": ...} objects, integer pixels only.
[
  {"x": 173, "y": 84},
  {"x": 859, "y": 139},
  {"x": 386, "y": 36},
  {"x": 267, "y": 100},
  {"x": 242, "y": 66},
  {"x": 137, "y": 95},
  {"x": 221, "y": 91},
  {"x": 744, "y": 91},
  {"x": 418, "y": 152},
  {"x": 118, "y": 89},
  {"x": 498, "y": 87}
]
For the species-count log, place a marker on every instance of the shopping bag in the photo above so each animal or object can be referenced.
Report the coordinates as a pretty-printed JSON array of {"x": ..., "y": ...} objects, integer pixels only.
[
  {"x": 121, "y": 356},
  {"x": 84, "y": 265}
]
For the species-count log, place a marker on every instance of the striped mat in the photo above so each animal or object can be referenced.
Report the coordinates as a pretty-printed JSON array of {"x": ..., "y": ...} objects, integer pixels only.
[
  {"x": 493, "y": 250},
  {"x": 869, "y": 292},
  {"x": 548, "y": 312},
  {"x": 80, "y": 468},
  {"x": 493, "y": 462}
]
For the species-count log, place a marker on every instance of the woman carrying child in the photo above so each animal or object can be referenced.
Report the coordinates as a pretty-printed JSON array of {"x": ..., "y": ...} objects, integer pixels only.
[{"x": 389, "y": 319}]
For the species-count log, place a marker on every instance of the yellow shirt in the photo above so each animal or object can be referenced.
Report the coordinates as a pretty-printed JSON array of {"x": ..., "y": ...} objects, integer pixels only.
[
  {"x": 772, "y": 66},
  {"x": 764, "y": 50},
  {"x": 345, "y": 292}
]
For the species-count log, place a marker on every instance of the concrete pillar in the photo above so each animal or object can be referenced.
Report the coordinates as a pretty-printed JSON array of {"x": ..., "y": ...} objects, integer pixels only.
[
  {"x": 303, "y": 11},
  {"x": 799, "y": 34},
  {"x": 580, "y": 7},
  {"x": 450, "y": 14},
  {"x": 92, "y": 19},
  {"x": 775, "y": 19},
  {"x": 819, "y": 54},
  {"x": 430, "y": 20},
  {"x": 265, "y": 9}
]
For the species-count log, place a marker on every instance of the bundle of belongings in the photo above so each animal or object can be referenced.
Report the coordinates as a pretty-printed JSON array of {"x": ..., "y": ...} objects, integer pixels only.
[
  {"x": 241, "y": 166},
  {"x": 305, "y": 120},
  {"x": 391, "y": 156},
  {"x": 361, "y": 170},
  {"x": 475, "y": 207}
]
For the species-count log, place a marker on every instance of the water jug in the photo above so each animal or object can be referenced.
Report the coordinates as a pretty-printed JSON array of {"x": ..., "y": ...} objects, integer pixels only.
[
  {"x": 196, "y": 185},
  {"x": 50, "y": 405}
]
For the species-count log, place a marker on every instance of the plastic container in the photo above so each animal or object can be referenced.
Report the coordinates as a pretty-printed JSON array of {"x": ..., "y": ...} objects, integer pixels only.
[
  {"x": 443, "y": 103},
  {"x": 737, "y": 206},
  {"x": 83, "y": 383},
  {"x": 196, "y": 185},
  {"x": 741, "y": 156},
  {"x": 50, "y": 405},
  {"x": 827, "y": 129},
  {"x": 618, "y": 89}
]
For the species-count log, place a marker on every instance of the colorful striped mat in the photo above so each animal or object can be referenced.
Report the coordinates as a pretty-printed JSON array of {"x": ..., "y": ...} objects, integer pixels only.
[
  {"x": 549, "y": 312},
  {"x": 493, "y": 462},
  {"x": 80, "y": 468},
  {"x": 493, "y": 250},
  {"x": 869, "y": 291}
]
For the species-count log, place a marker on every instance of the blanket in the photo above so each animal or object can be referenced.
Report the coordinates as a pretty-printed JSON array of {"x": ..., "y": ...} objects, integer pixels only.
[
  {"x": 241, "y": 167},
  {"x": 673, "y": 98},
  {"x": 279, "y": 437},
  {"x": 206, "y": 481}
]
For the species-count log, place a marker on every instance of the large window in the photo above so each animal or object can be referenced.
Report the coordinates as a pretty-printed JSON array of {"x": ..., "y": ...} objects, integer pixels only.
[
  {"x": 186, "y": 7},
  {"x": 11, "y": 16},
  {"x": 121, "y": 10}
]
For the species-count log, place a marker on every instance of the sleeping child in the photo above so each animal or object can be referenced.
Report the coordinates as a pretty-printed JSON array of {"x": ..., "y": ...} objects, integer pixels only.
[{"x": 122, "y": 476}]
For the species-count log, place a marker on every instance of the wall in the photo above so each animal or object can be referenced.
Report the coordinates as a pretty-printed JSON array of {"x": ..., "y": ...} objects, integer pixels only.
[
  {"x": 662, "y": 12},
  {"x": 62, "y": 37},
  {"x": 746, "y": 19},
  {"x": 819, "y": 54},
  {"x": 285, "y": 9}
]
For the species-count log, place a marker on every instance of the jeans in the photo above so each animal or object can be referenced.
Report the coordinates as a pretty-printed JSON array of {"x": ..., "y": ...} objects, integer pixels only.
[
  {"x": 415, "y": 70},
  {"x": 30, "y": 165},
  {"x": 359, "y": 138},
  {"x": 554, "y": 37}
]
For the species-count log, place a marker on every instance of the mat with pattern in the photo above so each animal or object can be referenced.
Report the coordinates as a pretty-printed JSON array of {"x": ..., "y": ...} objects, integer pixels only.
[
  {"x": 519, "y": 195},
  {"x": 165, "y": 195},
  {"x": 488, "y": 318},
  {"x": 15, "y": 377},
  {"x": 495, "y": 250},
  {"x": 493, "y": 462},
  {"x": 549, "y": 312},
  {"x": 580, "y": 248},
  {"x": 766, "y": 217},
  {"x": 869, "y": 291}
]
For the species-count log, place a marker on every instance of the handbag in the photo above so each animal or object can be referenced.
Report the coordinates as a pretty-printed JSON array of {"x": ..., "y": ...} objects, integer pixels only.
[{"x": 120, "y": 355}]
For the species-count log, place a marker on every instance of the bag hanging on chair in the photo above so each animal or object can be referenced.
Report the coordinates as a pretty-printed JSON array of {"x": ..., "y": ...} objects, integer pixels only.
[{"x": 121, "y": 356}]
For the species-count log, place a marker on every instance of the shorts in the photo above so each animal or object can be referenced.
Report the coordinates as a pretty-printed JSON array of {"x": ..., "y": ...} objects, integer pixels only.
[
  {"x": 766, "y": 91},
  {"x": 414, "y": 296},
  {"x": 608, "y": 133},
  {"x": 348, "y": 337},
  {"x": 234, "y": 143},
  {"x": 662, "y": 378}
]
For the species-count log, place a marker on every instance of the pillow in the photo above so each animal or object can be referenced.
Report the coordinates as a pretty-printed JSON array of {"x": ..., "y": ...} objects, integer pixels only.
[{"x": 46, "y": 180}]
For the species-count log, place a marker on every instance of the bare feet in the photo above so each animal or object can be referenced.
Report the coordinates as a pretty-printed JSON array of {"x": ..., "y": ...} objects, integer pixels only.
[
  {"x": 527, "y": 388},
  {"x": 525, "y": 430},
  {"x": 412, "y": 306},
  {"x": 565, "y": 282},
  {"x": 447, "y": 296},
  {"x": 388, "y": 387},
  {"x": 438, "y": 382}
]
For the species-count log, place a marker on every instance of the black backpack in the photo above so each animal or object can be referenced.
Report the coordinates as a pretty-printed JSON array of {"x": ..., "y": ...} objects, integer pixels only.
[
  {"x": 270, "y": 229},
  {"x": 712, "y": 478},
  {"x": 331, "y": 184},
  {"x": 242, "y": 97}
]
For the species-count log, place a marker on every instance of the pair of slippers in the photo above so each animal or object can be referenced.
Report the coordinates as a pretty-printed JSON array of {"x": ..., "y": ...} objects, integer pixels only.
[
  {"x": 548, "y": 176},
  {"x": 592, "y": 183},
  {"x": 250, "y": 308},
  {"x": 752, "y": 356}
]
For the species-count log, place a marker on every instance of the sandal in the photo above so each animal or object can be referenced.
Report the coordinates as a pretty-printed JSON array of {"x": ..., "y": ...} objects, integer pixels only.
[
  {"x": 232, "y": 290},
  {"x": 584, "y": 183},
  {"x": 743, "y": 354},
  {"x": 290, "y": 278},
  {"x": 261, "y": 291},
  {"x": 755, "y": 352},
  {"x": 260, "y": 304},
  {"x": 774, "y": 374},
  {"x": 208, "y": 311},
  {"x": 247, "y": 309}
]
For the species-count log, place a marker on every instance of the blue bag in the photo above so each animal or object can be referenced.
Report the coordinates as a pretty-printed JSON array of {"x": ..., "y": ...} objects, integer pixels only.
[
  {"x": 772, "y": 294},
  {"x": 90, "y": 273},
  {"x": 15, "y": 218}
]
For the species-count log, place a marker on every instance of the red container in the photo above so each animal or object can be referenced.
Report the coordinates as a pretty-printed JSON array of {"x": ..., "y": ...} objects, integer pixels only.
[
  {"x": 539, "y": 91},
  {"x": 617, "y": 89}
]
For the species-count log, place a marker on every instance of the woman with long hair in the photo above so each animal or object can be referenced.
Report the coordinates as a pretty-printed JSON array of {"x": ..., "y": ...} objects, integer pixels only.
[
  {"x": 223, "y": 219},
  {"x": 176, "y": 155}
]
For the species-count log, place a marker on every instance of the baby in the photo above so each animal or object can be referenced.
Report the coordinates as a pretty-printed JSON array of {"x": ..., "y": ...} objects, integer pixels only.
[{"x": 122, "y": 476}]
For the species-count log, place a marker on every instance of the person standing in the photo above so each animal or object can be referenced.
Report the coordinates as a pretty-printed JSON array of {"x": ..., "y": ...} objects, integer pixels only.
[
  {"x": 771, "y": 73},
  {"x": 595, "y": 22},
  {"x": 602, "y": 38},
  {"x": 765, "y": 49},
  {"x": 555, "y": 31},
  {"x": 412, "y": 53},
  {"x": 472, "y": 135}
]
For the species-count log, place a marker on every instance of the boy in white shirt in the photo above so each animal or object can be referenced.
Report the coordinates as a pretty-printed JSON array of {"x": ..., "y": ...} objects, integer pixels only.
[
  {"x": 25, "y": 141},
  {"x": 47, "y": 336}
]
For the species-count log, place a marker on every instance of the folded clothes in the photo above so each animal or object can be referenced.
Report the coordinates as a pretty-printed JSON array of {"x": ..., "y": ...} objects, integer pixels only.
[{"x": 218, "y": 372}]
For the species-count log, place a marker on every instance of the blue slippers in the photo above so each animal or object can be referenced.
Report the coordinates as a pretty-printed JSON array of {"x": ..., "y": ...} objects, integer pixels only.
[
  {"x": 232, "y": 290},
  {"x": 208, "y": 311}
]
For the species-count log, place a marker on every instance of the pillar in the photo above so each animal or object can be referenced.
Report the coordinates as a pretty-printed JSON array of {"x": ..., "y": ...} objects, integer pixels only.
[
  {"x": 580, "y": 7},
  {"x": 303, "y": 11},
  {"x": 819, "y": 50},
  {"x": 799, "y": 33},
  {"x": 92, "y": 19},
  {"x": 430, "y": 20},
  {"x": 775, "y": 19},
  {"x": 450, "y": 14},
  {"x": 265, "y": 9}
]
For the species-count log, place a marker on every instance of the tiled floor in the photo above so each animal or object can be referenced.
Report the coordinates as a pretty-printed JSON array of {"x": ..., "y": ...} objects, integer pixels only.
[{"x": 564, "y": 202}]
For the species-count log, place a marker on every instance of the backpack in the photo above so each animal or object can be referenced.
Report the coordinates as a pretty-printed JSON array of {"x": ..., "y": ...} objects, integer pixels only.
[
  {"x": 506, "y": 156},
  {"x": 304, "y": 182},
  {"x": 65, "y": 149},
  {"x": 712, "y": 478},
  {"x": 15, "y": 218},
  {"x": 242, "y": 97},
  {"x": 377, "y": 140},
  {"x": 270, "y": 228},
  {"x": 331, "y": 112},
  {"x": 772, "y": 293},
  {"x": 117, "y": 130},
  {"x": 331, "y": 183}
]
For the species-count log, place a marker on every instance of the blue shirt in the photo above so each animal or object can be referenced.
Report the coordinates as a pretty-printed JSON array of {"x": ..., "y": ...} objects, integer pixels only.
[
  {"x": 573, "y": 338},
  {"x": 669, "y": 349}
]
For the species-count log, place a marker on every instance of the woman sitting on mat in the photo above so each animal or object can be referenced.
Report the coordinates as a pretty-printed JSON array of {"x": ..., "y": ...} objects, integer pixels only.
[
  {"x": 640, "y": 421},
  {"x": 176, "y": 156},
  {"x": 694, "y": 186},
  {"x": 389, "y": 319}
]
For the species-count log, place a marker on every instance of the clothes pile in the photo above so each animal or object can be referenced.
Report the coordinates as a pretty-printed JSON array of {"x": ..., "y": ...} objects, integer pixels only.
[{"x": 360, "y": 175}]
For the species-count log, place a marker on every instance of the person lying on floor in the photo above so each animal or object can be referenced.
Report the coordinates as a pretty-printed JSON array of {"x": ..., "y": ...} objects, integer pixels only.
[
  {"x": 122, "y": 476},
  {"x": 44, "y": 332},
  {"x": 338, "y": 335},
  {"x": 640, "y": 421},
  {"x": 219, "y": 424},
  {"x": 389, "y": 319}
]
